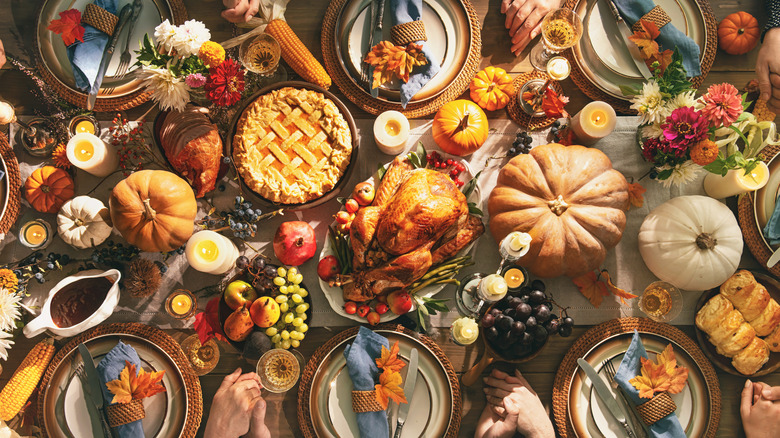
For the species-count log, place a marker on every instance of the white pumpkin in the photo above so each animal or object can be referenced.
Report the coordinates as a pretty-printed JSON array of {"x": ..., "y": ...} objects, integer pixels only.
[
  {"x": 81, "y": 222},
  {"x": 692, "y": 242}
]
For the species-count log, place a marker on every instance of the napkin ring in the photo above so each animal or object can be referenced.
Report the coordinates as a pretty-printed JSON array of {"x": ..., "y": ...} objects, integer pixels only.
[
  {"x": 405, "y": 33},
  {"x": 656, "y": 15},
  {"x": 657, "y": 408},
  {"x": 99, "y": 18},
  {"x": 124, "y": 413},
  {"x": 365, "y": 401}
]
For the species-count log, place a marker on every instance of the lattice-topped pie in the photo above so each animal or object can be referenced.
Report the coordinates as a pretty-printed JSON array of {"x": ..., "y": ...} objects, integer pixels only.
[{"x": 292, "y": 145}]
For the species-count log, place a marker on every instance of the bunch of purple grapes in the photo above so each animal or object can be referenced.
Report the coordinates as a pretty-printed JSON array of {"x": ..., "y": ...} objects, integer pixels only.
[{"x": 517, "y": 326}]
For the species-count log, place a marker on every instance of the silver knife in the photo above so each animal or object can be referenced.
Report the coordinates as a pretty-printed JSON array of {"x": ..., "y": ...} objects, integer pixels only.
[
  {"x": 108, "y": 53},
  {"x": 606, "y": 396},
  {"x": 95, "y": 390},
  {"x": 773, "y": 259},
  {"x": 403, "y": 409},
  {"x": 633, "y": 49}
]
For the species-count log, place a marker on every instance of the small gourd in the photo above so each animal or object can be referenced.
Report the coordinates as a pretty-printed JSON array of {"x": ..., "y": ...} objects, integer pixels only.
[
  {"x": 738, "y": 33},
  {"x": 491, "y": 88},
  {"x": 47, "y": 188},
  {"x": 460, "y": 127},
  {"x": 82, "y": 222}
]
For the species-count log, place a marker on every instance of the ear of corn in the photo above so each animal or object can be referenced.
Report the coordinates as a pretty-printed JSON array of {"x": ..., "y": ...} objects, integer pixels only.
[
  {"x": 296, "y": 55},
  {"x": 25, "y": 379}
]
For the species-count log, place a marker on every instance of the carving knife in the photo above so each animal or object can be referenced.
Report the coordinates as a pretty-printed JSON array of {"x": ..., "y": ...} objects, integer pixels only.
[
  {"x": 403, "y": 409},
  {"x": 773, "y": 259},
  {"x": 606, "y": 396},
  {"x": 94, "y": 393},
  {"x": 108, "y": 53},
  {"x": 633, "y": 49}
]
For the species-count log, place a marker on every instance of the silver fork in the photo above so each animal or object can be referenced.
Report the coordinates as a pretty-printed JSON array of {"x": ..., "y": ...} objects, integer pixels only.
[
  {"x": 124, "y": 60},
  {"x": 636, "y": 423}
]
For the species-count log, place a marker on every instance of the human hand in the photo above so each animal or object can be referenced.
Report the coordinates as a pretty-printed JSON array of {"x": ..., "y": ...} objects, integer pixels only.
[
  {"x": 493, "y": 425},
  {"x": 240, "y": 11},
  {"x": 760, "y": 417},
  {"x": 2, "y": 54},
  {"x": 258, "y": 428},
  {"x": 768, "y": 69},
  {"x": 233, "y": 404},
  {"x": 524, "y": 20},
  {"x": 503, "y": 390}
]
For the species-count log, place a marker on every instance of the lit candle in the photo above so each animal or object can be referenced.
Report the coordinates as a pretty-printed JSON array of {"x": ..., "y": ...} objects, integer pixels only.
[
  {"x": 7, "y": 113},
  {"x": 391, "y": 130},
  {"x": 35, "y": 234},
  {"x": 558, "y": 68},
  {"x": 492, "y": 288},
  {"x": 515, "y": 245},
  {"x": 594, "y": 122},
  {"x": 514, "y": 278},
  {"x": 91, "y": 154},
  {"x": 180, "y": 304},
  {"x": 736, "y": 182},
  {"x": 211, "y": 252},
  {"x": 465, "y": 331}
]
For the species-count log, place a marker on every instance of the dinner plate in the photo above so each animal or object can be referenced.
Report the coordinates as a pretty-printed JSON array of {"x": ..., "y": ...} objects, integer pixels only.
[
  {"x": 65, "y": 411},
  {"x": 335, "y": 295},
  {"x": 723, "y": 362},
  {"x": 51, "y": 50},
  {"x": 329, "y": 402},
  {"x": 447, "y": 29},
  {"x": 766, "y": 198},
  {"x": 590, "y": 418},
  {"x": 4, "y": 192}
]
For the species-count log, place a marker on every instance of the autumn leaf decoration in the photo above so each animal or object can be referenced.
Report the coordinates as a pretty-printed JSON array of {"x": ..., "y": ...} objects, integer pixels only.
[
  {"x": 661, "y": 376},
  {"x": 636, "y": 194},
  {"x": 391, "y": 61},
  {"x": 68, "y": 26},
  {"x": 595, "y": 285},
  {"x": 551, "y": 103},
  {"x": 131, "y": 386},
  {"x": 389, "y": 387},
  {"x": 644, "y": 38}
]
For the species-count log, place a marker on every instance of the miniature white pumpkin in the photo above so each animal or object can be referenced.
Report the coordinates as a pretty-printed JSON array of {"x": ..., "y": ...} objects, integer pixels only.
[
  {"x": 692, "y": 242},
  {"x": 81, "y": 222}
]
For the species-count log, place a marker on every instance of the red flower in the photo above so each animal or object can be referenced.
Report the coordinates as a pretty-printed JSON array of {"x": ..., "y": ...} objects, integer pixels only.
[{"x": 225, "y": 83}]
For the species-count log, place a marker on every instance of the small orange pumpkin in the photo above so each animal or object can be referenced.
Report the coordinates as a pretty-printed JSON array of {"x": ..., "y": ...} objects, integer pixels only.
[
  {"x": 460, "y": 127},
  {"x": 491, "y": 88},
  {"x": 48, "y": 188},
  {"x": 738, "y": 33}
]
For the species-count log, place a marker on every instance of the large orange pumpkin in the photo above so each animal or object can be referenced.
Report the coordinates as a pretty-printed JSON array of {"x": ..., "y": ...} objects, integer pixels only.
[
  {"x": 571, "y": 202},
  {"x": 738, "y": 33},
  {"x": 48, "y": 188},
  {"x": 154, "y": 210},
  {"x": 491, "y": 88},
  {"x": 460, "y": 127}
]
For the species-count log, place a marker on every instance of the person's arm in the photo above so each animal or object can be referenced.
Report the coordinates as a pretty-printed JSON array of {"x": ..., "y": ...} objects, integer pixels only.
[
  {"x": 240, "y": 11},
  {"x": 768, "y": 62},
  {"x": 233, "y": 405},
  {"x": 760, "y": 417},
  {"x": 512, "y": 399},
  {"x": 524, "y": 20}
]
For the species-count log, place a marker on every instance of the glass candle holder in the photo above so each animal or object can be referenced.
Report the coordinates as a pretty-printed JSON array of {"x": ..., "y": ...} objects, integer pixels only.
[
  {"x": 35, "y": 234},
  {"x": 83, "y": 123},
  {"x": 181, "y": 304},
  {"x": 464, "y": 331},
  {"x": 516, "y": 277},
  {"x": 661, "y": 301}
]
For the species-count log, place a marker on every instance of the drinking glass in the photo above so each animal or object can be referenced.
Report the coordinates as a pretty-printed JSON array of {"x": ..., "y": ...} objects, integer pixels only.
[
  {"x": 561, "y": 29},
  {"x": 260, "y": 54},
  {"x": 661, "y": 301},
  {"x": 279, "y": 370}
]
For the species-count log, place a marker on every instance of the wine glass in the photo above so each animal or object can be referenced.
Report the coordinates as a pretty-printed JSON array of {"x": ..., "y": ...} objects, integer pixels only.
[
  {"x": 661, "y": 301},
  {"x": 279, "y": 370},
  {"x": 561, "y": 29}
]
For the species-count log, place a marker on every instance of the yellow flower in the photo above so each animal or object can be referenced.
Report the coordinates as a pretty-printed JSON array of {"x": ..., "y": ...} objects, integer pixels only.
[
  {"x": 8, "y": 280},
  {"x": 60, "y": 156},
  {"x": 212, "y": 54}
]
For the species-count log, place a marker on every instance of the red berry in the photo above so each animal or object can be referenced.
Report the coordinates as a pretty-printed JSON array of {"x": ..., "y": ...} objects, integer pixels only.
[
  {"x": 382, "y": 308},
  {"x": 350, "y": 307},
  {"x": 449, "y": 161},
  {"x": 454, "y": 173},
  {"x": 363, "y": 310}
]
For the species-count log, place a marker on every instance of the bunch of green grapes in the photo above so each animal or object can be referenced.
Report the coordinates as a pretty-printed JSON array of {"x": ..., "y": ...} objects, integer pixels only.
[{"x": 291, "y": 328}]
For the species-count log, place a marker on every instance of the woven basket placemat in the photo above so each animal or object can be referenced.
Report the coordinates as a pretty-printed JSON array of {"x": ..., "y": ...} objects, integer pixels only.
[
  {"x": 161, "y": 340},
  {"x": 14, "y": 185},
  {"x": 102, "y": 104},
  {"x": 516, "y": 112},
  {"x": 746, "y": 216},
  {"x": 596, "y": 334},
  {"x": 375, "y": 106},
  {"x": 304, "y": 385},
  {"x": 624, "y": 106}
]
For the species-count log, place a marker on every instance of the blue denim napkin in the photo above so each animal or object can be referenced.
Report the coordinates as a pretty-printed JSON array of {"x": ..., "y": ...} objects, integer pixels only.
[
  {"x": 671, "y": 37},
  {"x": 405, "y": 11},
  {"x": 109, "y": 369},
  {"x": 772, "y": 228},
  {"x": 667, "y": 427},
  {"x": 85, "y": 57},
  {"x": 364, "y": 373}
]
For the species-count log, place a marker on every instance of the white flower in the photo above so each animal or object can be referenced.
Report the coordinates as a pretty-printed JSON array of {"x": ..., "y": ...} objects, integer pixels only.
[
  {"x": 681, "y": 173},
  {"x": 167, "y": 90},
  {"x": 9, "y": 310},
  {"x": 652, "y": 131},
  {"x": 650, "y": 103},
  {"x": 163, "y": 35},
  {"x": 189, "y": 37},
  {"x": 5, "y": 345},
  {"x": 682, "y": 100}
]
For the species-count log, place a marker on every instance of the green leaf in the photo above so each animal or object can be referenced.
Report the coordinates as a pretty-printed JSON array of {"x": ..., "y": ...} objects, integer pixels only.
[
  {"x": 422, "y": 155},
  {"x": 436, "y": 306},
  {"x": 422, "y": 312},
  {"x": 471, "y": 185},
  {"x": 473, "y": 209},
  {"x": 381, "y": 170},
  {"x": 628, "y": 90},
  {"x": 664, "y": 174},
  {"x": 415, "y": 160}
]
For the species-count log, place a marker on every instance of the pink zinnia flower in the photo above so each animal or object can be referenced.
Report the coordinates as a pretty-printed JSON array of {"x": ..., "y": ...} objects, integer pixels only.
[
  {"x": 195, "y": 80},
  {"x": 684, "y": 127},
  {"x": 225, "y": 83},
  {"x": 722, "y": 104}
]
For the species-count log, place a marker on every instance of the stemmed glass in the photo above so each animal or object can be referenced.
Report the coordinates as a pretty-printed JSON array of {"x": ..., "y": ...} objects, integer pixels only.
[
  {"x": 37, "y": 136},
  {"x": 561, "y": 29}
]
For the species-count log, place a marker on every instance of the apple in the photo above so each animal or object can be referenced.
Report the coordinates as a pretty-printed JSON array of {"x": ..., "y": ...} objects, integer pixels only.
[
  {"x": 294, "y": 243},
  {"x": 364, "y": 193},
  {"x": 373, "y": 318},
  {"x": 363, "y": 310},
  {"x": 265, "y": 312},
  {"x": 351, "y": 205},
  {"x": 400, "y": 302},
  {"x": 382, "y": 308},
  {"x": 239, "y": 293},
  {"x": 350, "y": 307},
  {"x": 328, "y": 268}
]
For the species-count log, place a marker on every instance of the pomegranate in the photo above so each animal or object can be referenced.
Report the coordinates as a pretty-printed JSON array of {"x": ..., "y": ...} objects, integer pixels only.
[{"x": 294, "y": 243}]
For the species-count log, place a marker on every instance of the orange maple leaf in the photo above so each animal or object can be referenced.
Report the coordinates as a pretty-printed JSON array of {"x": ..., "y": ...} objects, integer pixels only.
[
  {"x": 590, "y": 286},
  {"x": 663, "y": 376},
  {"x": 616, "y": 291},
  {"x": 389, "y": 387},
  {"x": 68, "y": 26},
  {"x": 389, "y": 359},
  {"x": 664, "y": 59},
  {"x": 391, "y": 61},
  {"x": 636, "y": 194},
  {"x": 678, "y": 375},
  {"x": 131, "y": 386},
  {"x": 552, "y": 104},
  {"x": 645, "y": 39}
]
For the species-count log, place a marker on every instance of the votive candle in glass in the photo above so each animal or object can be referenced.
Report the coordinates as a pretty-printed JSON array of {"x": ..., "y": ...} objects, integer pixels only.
[
  {"x": 35, "y": 234},
  {"x": 736, "y": 182},
  {"x": 594, "y": 122},
  {"x": 83, "y": 123},
  {"x": 181, "y": 304},
  {"x": 391, "y": 131},
  {"x": 91, "y": 154},
  {"x": 211, "y": 252}
]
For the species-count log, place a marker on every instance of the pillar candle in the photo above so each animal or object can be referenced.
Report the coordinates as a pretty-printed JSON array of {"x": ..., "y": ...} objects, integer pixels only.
[
  {"x": 594, "y": 122},
  {"x": 211, "y": 252},
  {"x": 7, "y": 113},
  {"x": 91, "y": 154},
  {"x": 736, "y": 182},
  {"x": 391, "y": 130}
]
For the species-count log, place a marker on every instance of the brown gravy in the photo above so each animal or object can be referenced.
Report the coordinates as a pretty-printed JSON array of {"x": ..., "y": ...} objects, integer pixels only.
[{"x": 79, "y": 300}]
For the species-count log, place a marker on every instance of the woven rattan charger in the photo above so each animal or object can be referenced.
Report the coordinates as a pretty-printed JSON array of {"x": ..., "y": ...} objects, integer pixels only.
[
  {"x": 516, "y": 111},
  {"x": 14, "y": 185},
  {"x": 596, "y": 334}
]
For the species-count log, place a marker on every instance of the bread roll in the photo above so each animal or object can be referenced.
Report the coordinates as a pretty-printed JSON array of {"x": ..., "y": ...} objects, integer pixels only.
[
  {"x": 713, "y": 312},
  {"x": 768, "y": 320},
  {"x": 726, "y": 328},
  {"x": 751, "y": 300},
  {"x": 736, "y": 283},
  {"x": 750, "y": 359},
  {"x": 739, "y": 340},
  {"x": 773, "y": 340}
]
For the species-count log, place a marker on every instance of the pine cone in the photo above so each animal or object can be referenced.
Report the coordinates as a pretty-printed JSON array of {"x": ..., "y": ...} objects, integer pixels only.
[{"x": 142, "y": 278}]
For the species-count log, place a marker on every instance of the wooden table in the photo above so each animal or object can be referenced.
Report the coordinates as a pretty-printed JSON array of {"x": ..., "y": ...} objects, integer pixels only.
[{"x": 305, "y": 18}]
